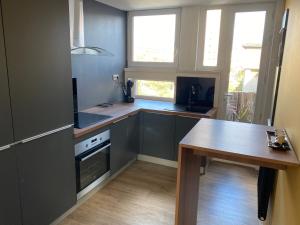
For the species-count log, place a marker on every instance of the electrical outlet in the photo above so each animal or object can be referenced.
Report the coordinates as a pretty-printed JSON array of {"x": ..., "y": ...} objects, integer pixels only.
[{"x": 115, "y": 77}]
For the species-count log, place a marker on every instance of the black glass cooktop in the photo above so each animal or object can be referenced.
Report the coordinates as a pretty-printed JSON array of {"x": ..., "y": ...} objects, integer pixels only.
[{"x": 82, "y": 120}]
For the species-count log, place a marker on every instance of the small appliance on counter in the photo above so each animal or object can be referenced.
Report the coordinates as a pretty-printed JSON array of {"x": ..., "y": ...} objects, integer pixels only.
[
  {"x": 82, "y": 119},
  {"x": 196, "y": 94},
  {"x": 127, "y": 90},
  {"x": 278, "y": 140}
]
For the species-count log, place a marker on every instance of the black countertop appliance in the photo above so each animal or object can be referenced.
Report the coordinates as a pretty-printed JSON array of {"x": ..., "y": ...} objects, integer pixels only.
[{"x": 196, "y": 94}]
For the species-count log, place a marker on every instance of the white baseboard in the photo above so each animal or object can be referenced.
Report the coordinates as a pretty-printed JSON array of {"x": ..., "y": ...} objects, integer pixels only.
[{"x": 159, "y": 161}]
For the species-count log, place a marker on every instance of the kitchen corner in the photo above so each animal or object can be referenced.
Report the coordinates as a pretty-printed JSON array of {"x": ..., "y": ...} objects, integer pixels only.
[{"x": 122, "y": 110}]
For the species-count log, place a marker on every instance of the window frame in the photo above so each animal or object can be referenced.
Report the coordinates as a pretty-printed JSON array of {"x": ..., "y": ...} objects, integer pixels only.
[
  {"x": 219, "y": 38},
  {"x": 202, "y": 34},
  {"x": 154, "y": 97},
  {"x": 132, "y": 14}
]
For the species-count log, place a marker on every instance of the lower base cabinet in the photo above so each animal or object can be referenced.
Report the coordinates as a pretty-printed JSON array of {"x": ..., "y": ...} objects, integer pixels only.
[
  {"x": 47, "y": 177},
  {"x": 161, "y": 134},
  {"x": 39, "y": 183},
  {"x": 158, "y": 135},
  {"x": 183, "y": 125},
  {"x": 125, "y": 142},
  {"x": 10, "y": 208}
]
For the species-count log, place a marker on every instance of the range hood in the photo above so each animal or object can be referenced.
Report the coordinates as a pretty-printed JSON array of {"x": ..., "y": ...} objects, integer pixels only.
[{"x": 78, "y": 46}]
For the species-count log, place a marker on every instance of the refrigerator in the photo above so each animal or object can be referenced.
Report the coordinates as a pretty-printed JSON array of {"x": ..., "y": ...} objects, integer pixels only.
[{"x": 37, "y": 164}]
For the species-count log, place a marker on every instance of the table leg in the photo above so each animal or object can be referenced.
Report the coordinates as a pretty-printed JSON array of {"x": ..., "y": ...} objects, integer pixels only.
[{"x": 187, "y": 187}]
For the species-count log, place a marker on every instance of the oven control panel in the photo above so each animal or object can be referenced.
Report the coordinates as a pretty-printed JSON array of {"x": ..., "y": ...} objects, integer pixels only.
[{"x": 92, "y": 142}]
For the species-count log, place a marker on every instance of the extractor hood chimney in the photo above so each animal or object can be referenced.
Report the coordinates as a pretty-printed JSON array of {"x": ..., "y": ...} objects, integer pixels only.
[{"x": 78, "y": 46}]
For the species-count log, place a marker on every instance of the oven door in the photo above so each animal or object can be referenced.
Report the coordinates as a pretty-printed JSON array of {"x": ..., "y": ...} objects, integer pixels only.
[{"x": 91, "y": 165}]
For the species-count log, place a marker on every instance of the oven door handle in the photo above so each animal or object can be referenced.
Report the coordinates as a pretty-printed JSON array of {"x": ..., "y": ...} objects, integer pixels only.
[{"x": 96, "y": 152}]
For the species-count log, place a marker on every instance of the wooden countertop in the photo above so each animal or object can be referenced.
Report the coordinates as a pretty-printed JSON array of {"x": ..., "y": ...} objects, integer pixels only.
[
  {"x": 241, "y": 142},
  {"x": 121, "y": 110}
]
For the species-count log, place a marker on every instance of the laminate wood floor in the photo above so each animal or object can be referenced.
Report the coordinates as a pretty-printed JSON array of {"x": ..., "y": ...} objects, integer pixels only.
[{"x": 144, "y": 194}]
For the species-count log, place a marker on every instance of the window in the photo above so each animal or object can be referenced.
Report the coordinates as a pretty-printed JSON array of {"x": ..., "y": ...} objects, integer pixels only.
[
  {"x": 212, "y": 34},
  {"x": 158, "y": 89},
  {"x": 153, "y": 37}
]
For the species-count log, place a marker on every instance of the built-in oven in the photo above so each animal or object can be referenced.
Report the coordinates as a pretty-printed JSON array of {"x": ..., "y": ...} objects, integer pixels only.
[{"x": 92, "y": 158}]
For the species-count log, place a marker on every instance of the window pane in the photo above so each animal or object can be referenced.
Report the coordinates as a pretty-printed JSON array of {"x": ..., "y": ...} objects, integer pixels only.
[
  {"x": 162, "y": 89},
  {"x": 246, "y": 51},
  {"x": 212, "y": 34},
  {"x": 154, "y": 38},
  {"x": 245, "y": 65}
]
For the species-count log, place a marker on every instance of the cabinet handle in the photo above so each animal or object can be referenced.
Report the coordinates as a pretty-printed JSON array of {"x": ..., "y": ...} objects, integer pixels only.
[
  {"x": 4, "y": 147},
  {"x": 96, "y": 152},
  {"x": 189, "y": 117},
  {"x": 46, "y": 134},
  {"x": 161, "y": 113},
  {"x": 119, "y": 120},
  {"x": 133, "y": 114}
]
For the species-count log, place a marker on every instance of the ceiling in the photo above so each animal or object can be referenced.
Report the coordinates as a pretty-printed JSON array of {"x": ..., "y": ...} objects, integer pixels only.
[{"x": 130, "y": 5}]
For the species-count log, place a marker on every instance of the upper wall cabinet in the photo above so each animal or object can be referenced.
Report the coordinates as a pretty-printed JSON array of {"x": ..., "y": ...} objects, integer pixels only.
[
  {"x": 39, "y": 65},
  {"x": 6, "y": 132},
  {"x": 188, "y": 38}
]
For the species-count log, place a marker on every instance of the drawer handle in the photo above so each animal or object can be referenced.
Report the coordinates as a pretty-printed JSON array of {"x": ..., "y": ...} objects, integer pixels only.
[
  {"x": 46, "y": 134},
  {"x": 160, "y": 113},
  {"x": 117, "y": 121},
  {"x": 4, "y": 147},
  {"x": 189, "y": 117},
  {"x": 96, "y": 152}
]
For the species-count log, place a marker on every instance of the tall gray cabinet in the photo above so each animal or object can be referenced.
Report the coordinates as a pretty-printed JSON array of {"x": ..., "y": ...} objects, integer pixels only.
[
  {"x": 37, "y": 43},
  {"x": 6, "y": 131},
  {"x": 10, "y": 213},
  {"x": 37, "y": 171},
  {"x": 46, "y": 171}
]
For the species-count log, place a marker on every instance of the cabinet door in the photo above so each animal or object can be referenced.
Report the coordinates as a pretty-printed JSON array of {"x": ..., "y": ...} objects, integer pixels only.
[
  {"x": 119, "y": 144},
  {"x": 6, "y": 132},
  {"x": 10, "y": 213},
  {"x": 158, "y": 135},
  {"x": 39, "y": 64},
  {"x": 47, "y": 177},
  {"x": 183, "y": 126},
  {"x": 125, "y": 142},
  {"x": 133, "y": 137}
]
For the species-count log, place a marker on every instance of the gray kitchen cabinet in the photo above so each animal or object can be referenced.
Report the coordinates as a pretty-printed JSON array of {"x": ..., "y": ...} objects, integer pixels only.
[
  {"x": 37, "y": 43},
  {"x": 158, "y": 135},
  {"x": 47, "y": 177},
  {"x": 133, "y": 136},
  {"x": 125, "y": 142},
  {"x": 35, "y": 97},
  {"x": 6, "y": 131},
  {"x": 10, "y": 211},
  {"x": 182, "y": 126}
]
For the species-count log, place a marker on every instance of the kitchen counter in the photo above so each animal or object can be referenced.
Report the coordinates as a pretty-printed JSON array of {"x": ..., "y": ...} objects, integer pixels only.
[
  {"x": 239, "y": 142},
  {"x": 120, "y": 110}
]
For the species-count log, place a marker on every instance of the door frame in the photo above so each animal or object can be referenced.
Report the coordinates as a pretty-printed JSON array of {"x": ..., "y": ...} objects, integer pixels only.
[{"x": 226, "y": 43}]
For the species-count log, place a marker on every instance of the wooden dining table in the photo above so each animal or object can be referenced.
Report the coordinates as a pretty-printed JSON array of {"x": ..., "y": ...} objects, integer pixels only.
[{"x": 234, "y": 141}]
